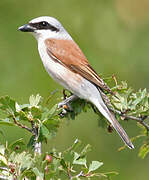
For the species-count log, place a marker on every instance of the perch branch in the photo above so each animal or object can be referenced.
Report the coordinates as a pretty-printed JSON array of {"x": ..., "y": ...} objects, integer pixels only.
[
  {"x": 34, "y": 131},
  {"x": 37, "y": 145},
  {"x": 138, "y": 119},
  {"x": 71, "y": 98}
]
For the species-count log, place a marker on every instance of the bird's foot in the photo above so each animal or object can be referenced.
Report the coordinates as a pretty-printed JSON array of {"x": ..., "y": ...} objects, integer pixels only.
[
  {"x": 65, "y": 104},
  {"x": 67, "y": 101}
]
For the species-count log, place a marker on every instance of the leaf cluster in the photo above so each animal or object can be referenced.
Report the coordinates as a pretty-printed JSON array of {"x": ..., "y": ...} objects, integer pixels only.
[
  {"x": 43, "y": 122},
  {"x": 127, "y": 105},
  {"x": 38, "y": 119},
  {"x": 69, "y": 164}
]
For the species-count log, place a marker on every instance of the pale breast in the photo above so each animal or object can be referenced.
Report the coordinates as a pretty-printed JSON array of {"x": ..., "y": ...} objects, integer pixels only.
[
  {"x": 69, "y": 79},
  {"x": 57, "y": 71}
]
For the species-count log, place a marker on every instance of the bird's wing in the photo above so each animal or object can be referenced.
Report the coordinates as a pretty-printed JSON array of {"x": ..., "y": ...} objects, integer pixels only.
[{"x": 67, "y": 53}]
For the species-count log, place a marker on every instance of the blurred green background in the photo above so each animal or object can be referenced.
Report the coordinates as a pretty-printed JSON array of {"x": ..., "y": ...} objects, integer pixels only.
[{"x": 114, "y": 34}]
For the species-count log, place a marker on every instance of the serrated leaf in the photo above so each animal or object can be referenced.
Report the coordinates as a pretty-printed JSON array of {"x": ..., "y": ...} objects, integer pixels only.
[{"x": 95, "y": 165}]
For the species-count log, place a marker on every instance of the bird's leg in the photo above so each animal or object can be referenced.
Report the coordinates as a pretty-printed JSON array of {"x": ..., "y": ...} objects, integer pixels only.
[
  {"x": 64, "y": 93},
  {"x": 66, "y": 102}
]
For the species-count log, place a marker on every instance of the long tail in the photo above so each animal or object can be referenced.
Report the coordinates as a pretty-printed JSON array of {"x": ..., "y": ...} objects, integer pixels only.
[{"x": 111, "y": 118}]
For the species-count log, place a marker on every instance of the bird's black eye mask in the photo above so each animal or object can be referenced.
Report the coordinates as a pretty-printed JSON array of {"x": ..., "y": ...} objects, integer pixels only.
[{"x": 44, "y": 25}]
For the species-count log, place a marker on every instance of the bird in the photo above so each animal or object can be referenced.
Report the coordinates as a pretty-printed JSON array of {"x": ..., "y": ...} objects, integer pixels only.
[{"x": 66, "y": 63}]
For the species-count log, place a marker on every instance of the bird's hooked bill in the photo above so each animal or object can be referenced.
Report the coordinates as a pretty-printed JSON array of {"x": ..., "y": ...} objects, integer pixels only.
[{"x": 26, "y": 28}]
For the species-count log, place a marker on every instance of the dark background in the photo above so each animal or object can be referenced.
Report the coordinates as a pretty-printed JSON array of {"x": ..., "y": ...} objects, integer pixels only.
[{"x": 113, "y": 34}]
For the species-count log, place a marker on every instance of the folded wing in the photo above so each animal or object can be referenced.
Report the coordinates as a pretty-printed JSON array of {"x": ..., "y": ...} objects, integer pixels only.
[{"x": 70, "y": 55}]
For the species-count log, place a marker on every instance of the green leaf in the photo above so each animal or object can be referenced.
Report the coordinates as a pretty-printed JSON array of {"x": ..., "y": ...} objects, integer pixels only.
[
  {"x": 18, "y": 108},
  {"x": 144, "y": 150},
  {"x": 85, "y": 150},
  {"x": 6, "y": 122},
  {"x": 3, "y": 160},
  {"x": 27, "y": 174},
  {"x": 23, "y": 115},
  {"x": 69, "y": 157},
  {"x": 2, "y": 150},
  {"x": 31, "y": 142},
  {"x": 38, "y": 173},
  {"x": 16, "y": 143},
  {"x": 8, "y": 104},
  {"x": 110, "y": 174},
  {"x": 2, "y": 133},
  {"x": 63, "y": 163},
  {"x": 36, "y": 113},
  {"x": 23, "y": 159},
  {"x": 78, "y": 160},
  {"x": 75, "y": 145},
  {"x": 143, "y": 129},
  {"x": 44, "y": 132},
  {"x": 53, "y": 109},
  {"x": 52, "y": 124},
  {"x": 95, "y": 165}
]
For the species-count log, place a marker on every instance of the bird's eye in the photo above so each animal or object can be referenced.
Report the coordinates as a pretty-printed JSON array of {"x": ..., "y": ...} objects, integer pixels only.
[{"x": 44, "y": 23}]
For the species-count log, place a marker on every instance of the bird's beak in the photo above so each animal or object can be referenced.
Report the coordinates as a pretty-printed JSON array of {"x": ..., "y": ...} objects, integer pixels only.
[{"x": 27, "y": 28}]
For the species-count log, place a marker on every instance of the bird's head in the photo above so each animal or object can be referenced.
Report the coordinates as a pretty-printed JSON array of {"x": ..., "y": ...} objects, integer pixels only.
[{"x": 45, "y": 27}]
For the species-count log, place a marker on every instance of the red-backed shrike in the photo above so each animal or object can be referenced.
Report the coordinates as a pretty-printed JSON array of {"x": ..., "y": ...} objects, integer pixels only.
[{"x": 66, "y": 63}]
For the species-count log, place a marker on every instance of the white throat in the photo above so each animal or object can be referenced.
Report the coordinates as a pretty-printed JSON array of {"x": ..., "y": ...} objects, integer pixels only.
[{"x": 42, "y": 35}]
